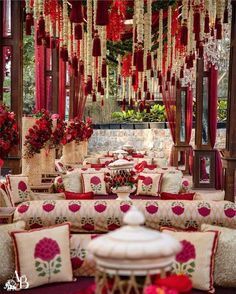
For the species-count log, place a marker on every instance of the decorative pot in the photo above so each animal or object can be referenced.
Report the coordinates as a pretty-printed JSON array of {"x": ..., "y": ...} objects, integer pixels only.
[
  {"x": 32, "y": 168},
  {"x": 123, "y": 192},
  {"x": 48, "y": 161},
  {"x": 68, "y": 153}
]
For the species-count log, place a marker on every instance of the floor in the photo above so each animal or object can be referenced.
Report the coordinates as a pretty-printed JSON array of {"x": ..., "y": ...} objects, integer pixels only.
[{"x": 82, "y": 283}]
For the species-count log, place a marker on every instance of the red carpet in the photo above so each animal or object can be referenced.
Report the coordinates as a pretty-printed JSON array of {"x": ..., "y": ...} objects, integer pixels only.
[{"x": 82, "y": 283}]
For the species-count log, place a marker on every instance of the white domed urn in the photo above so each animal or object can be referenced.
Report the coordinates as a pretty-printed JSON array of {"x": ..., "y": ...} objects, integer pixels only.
[{"x": 132, "y": 250}]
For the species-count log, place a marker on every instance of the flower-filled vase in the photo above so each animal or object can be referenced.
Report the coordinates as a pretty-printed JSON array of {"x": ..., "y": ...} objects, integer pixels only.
[
  {"x": 31, "y": 167},
  {"x": 79, "y": 152},
  {"x": 68, "y": 153},
  {"x": 48, "y": 160}
]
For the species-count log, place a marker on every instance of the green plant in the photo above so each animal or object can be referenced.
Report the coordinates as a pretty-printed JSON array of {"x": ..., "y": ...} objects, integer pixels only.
[
  {"x": 222, "y": 110},
  {"x": 157, "y": 114}
]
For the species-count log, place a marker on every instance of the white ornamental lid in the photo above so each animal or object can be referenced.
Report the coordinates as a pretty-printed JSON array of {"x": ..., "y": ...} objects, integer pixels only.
[
  {"x": 121, "y": 164},
  {"x": 120, "y": 151},
  {"x": 134, "y": 248}
]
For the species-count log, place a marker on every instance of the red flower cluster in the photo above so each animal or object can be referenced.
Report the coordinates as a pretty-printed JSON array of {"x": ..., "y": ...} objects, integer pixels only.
[
  {"x": 78, "y": 131},
  {"x": 58, "y": 133},
  {"x": 121, "y": 178},
  {"x": 188, "y": 252},
  {"x": 9, "y": 135},
  {"x": 39, "y": 134}
]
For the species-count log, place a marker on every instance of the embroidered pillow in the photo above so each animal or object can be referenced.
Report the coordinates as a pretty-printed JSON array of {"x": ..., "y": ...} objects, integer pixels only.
[
  {"x": 98, "y": 165},
  {"x": 72, "y": 181},
  {"x": 18, "y": 188},
  {"x": 215, "y": 195},
  {"x": 197, "y": 257},
  {"x": 43, "y": 255},
  {"x": 94, "y": 183},
  {"x": 149, "y": 184},
  {"x": 225, "y": 269},
  {"x": 171, "y": 181},
  {"x": 7, "y": 261},
  {"x": 78, "y": 196},
  {"x": 180, "y": 196}
]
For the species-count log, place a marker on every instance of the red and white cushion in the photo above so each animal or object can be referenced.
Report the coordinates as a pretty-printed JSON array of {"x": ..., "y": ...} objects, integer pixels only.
[{"x": 149, "y": 184}]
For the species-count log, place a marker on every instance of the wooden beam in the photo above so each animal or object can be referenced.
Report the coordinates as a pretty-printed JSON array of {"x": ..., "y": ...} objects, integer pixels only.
[{"x": 229, "y": 158}]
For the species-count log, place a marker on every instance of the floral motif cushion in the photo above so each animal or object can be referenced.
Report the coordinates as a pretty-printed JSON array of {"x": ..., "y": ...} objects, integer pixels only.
[
  {"x": 225, "y": 269},
  {"x": 82, "y": 262},
  {"x": 215, "y": 195},
  {"x": 197, "y": 257},
  {"x": 18, "y": 188},
  {"x": 7, "y": 264},
  {"x": 72, "y": 181},
  {"x": 47, "y": 258},
  {"x": 171, "y": 181},
  {"x": 149, "y": 184},
  {"x": 94, "y": 182}
]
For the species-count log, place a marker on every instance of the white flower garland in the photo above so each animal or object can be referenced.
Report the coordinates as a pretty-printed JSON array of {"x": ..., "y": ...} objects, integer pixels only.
[
  {"x": 65, "y": 22},
  {"x": 160, "y": 49},
  {"x": 168, "y": 60},
  {"x": 140, "y": 20},
  {"x": 89, "y": 36}
]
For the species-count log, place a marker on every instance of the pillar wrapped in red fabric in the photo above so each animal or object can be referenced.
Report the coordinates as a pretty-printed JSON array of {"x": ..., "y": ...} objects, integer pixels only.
[
  {"x": 102, "y": 13},
  {"x": 76, "y": 14},
  {"x": 149, "y": 61},
  {"x": 78, "y": 32},
  {"x": 96, "y": 45},
  {"x": 104, "y": 68},
  {"x": 28, "y": 24},
  {"x": 139, "y": 58}
]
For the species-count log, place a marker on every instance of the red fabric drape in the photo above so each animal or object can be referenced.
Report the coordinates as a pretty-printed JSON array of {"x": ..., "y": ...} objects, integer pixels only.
[
  {"x": 213, "y": 96},
  {"x": 169, "y": 100},
  {"x": 62, "y": 88},
  {"x": 213, "y": 75},
  {"x": 40, "y": 75}
]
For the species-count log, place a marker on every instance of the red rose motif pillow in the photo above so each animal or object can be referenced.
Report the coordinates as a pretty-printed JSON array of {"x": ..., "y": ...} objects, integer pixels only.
[
  {"x": 47, "y": 258},
  {"x": 197, "y": 257},
  {"x": 94, "y": 183},
  {"x": 149, "y": 184},
  {"x": 78, "y": 196},
  {"x": 18, "y": 188},
  {"x": 178, "y": 196}
]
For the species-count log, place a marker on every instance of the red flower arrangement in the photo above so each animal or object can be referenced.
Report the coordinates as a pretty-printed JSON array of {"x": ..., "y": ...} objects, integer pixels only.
[
  {"x": 39, "y": 134},
  {"x": 121, "y": 178},
  {"x": 78, "y": 131},
  {"x": 58, "y": 133},
  {"x": 9, "y": 136}
]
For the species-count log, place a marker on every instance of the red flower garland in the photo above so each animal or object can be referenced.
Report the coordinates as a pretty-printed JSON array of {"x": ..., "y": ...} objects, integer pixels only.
[{"x": 9, "y": 136}]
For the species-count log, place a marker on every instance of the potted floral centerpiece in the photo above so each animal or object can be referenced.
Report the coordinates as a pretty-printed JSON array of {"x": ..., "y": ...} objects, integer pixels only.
[
  {"x": 75, "y": 140},
  {"x": 9, "y": 136},
  {"x": 121, "y": 179}
]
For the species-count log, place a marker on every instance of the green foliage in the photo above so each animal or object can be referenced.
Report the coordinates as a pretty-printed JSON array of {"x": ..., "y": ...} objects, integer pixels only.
[
  {"x": 222, "y": 110},
  {"x": 28, "y": 74},
  {"x": 157, "y": 114}
]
